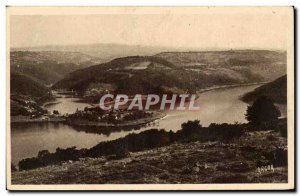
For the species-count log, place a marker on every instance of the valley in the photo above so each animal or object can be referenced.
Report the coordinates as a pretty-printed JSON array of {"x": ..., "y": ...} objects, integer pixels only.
[{"x": 71, "y": 123}]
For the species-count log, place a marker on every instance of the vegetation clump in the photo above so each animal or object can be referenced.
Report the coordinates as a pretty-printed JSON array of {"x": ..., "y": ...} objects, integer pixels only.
[
  {"x": 153, "y": 138},
  {"x": 263, "y": 114}
]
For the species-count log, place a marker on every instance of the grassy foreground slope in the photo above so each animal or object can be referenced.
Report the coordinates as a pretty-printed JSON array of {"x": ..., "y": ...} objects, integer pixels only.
[{"x": 193, "y": 162}]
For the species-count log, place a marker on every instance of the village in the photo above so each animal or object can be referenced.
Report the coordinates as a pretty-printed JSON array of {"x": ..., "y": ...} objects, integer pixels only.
[{"x": 96, "y": 114}]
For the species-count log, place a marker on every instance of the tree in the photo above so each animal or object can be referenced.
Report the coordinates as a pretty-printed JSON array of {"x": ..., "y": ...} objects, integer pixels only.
[
  {"x": 191, "y": 125},
  {"x": 190, "y": 129},
  {"x": 55, "y": 112},
  {"x": 263, "y": 114}
]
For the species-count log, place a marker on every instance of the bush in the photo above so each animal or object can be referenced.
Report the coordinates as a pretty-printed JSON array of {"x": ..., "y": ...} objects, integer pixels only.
[
  {"x": 278, "y": 157},
  {"x": 152, "y": 138},
  {"x": 45, "y": 158},
  {"x": 55, "y": 112},
  {"x": 225, "y": 132},
  {"x": 263, "y": 114},
  {"x": 282, "y": 128}
]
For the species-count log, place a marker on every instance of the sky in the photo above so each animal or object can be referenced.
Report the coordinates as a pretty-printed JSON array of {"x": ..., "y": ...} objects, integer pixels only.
[{"x": 233, "y": 31}]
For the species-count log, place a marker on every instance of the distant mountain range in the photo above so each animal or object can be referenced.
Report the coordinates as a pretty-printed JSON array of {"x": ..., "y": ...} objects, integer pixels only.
[
  {"x": 48, "y": 64},
  {"x": 105, "y": 52},
  {"x": 48, "y": 67},
  {"x": 276, "y": 90},
  {"x": 90, "y": 67}
]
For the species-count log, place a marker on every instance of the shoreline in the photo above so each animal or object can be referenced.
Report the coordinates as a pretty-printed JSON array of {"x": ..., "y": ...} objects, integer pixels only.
[
  {"x": 229, "y": 86},
  {"x": 50, "y": 103},
  {"x": 142, "y": 121},
  {"x": 25, "y": 119}
]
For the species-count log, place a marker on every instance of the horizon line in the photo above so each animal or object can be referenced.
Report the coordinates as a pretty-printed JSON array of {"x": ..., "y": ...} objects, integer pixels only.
[{"x": 188, "y": 49}]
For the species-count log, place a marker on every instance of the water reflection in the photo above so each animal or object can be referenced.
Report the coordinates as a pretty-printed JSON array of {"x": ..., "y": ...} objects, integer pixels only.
[
  {"x": 66, "y": 105},
  {"x": 107, "y": 131}
]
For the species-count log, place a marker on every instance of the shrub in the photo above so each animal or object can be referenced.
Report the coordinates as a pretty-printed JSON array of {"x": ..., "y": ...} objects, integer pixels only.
[
  {"x": 263, "y": 114},
  {"x": 278, "y": 157},
  {"x": 282, "y": 128}
]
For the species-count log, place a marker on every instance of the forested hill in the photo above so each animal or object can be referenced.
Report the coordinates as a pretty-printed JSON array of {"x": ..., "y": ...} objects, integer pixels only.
[
  {"x": 177, "y": 71},
  {"x": 129, "y": 75},
  {"x": 25, "y": 85},
  {"x": 48, "y": 67},
  {"x": 276, "y": 90},
  {"x": 144, "y": 75},
  {"x": 239, "y": 64}
]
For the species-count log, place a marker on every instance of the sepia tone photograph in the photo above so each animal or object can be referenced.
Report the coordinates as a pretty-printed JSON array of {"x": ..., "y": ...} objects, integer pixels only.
[{"x": 150, "y": 98}]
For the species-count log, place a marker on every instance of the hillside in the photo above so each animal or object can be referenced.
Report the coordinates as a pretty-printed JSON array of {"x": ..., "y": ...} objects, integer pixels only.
[
  {"x": 129, "y": 74},
  {"x": 48, "y": 67},
  {"x": 241, "y": 65},
  {"x": 176, "y": 72},
  {"x": 25, "y": 85},
  {"x": 139, "y": 74},
  {"x": 27, "y": 95},
  {"x": 276, "y": 90}
]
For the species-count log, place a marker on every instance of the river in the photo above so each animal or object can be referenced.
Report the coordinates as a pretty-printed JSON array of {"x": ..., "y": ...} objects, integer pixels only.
[{"x": 219, "y": 106}]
